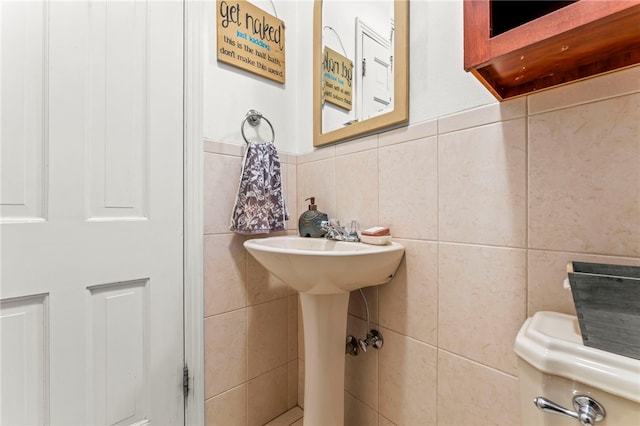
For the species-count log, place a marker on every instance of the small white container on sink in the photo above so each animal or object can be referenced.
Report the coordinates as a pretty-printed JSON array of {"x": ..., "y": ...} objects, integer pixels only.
[{"x": 382, "y": 240}]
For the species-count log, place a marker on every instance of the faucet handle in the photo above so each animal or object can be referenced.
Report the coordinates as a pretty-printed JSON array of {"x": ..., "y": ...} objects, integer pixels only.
[
  {"x": 354, "y": 227},
  {"x": 352, "y": 233}
]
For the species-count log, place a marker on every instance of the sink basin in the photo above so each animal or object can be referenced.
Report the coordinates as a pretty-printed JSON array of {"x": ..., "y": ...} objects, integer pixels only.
[
  {"x": 324, "y": 272},
  {"x": 321, "y": 266}
]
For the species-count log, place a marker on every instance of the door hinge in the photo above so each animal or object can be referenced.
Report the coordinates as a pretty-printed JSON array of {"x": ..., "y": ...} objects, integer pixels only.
[
  {"x": 364, "y": 66},
  {"x": 185, "y": 381}
]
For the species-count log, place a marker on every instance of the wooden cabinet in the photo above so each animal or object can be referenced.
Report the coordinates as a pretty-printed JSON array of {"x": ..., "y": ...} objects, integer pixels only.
[{"x": 559, "y": 42}]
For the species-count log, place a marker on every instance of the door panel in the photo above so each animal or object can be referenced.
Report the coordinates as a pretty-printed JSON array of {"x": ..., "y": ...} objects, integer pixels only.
[
  {"x": 91, "y": 233},
  {"x": 118, "y": 110},
  {"x": 23, "y": 130},
  {"x": 118, "y": 319},
  {"x": 24, "y": 355}
]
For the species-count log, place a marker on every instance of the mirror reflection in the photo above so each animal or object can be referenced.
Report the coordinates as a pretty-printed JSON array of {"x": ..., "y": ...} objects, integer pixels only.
[
  {"x": 360, "y": 48},
  {"x": 363, "y": 35}
]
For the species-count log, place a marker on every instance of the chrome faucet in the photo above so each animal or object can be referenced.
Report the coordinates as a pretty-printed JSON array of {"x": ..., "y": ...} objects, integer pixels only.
[
  {"x": 334, "y": 231},
  {"x": 337, "y": 232}
]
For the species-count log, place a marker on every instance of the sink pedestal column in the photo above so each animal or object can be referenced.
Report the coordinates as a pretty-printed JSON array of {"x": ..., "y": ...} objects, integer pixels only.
[{"x": 324, "y": 318}]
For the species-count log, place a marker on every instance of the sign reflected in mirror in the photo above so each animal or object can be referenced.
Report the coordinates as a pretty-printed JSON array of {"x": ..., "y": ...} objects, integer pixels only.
[
  {"x": 337, "y": 79},
  {"x": 373, "y": 37}
]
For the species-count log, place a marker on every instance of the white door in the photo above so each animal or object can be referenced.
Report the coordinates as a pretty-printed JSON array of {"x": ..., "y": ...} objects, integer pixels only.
[
  {"x": 377, "y": 78},
  {"x": 91, "y": 208}
]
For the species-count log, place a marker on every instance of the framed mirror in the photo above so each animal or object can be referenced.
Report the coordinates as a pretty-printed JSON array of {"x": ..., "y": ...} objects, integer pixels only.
[{"x": 360, "y": 68}]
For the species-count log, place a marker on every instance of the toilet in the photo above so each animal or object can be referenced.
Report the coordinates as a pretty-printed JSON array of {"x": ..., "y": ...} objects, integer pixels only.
[{"x": 555, "y": 368}]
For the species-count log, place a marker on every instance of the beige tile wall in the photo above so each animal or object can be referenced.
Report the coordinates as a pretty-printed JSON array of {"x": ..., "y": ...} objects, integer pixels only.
[
  {"x": 490, "y": 205},
  {"x": 251, "y": 318}
]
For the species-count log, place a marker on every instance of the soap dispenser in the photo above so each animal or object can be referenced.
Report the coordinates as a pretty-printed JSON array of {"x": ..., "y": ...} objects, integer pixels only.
[{"x": 310, "y": 222}]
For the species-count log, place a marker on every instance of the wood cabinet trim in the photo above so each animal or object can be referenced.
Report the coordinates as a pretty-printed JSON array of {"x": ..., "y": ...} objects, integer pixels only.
[{"x": 580, "y": 40}]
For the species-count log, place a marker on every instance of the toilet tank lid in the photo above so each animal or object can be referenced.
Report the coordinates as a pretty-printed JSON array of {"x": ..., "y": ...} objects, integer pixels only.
[{"x": 552, "y": 343}]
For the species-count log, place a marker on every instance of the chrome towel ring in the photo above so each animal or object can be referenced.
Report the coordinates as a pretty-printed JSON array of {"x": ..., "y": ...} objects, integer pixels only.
[{"x": 253, "y": 117}]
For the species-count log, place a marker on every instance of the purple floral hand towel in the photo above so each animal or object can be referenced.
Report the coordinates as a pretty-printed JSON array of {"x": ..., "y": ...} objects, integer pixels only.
[{"x": 260, "y": 206}]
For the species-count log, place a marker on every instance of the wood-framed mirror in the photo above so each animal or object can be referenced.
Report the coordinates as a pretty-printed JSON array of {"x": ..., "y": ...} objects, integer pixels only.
[{"x": 350, "y": 37}]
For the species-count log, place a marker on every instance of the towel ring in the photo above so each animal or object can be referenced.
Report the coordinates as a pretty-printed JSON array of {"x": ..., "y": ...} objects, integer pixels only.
[{"x": 253, "y": 117}]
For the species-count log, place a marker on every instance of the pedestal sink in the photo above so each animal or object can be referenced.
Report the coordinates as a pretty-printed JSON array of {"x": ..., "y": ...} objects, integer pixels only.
[{"x": 324, "y": 272}]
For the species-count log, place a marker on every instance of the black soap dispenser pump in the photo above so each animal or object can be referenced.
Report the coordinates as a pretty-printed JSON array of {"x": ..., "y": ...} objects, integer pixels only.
[{"x": 310, "y": 222}]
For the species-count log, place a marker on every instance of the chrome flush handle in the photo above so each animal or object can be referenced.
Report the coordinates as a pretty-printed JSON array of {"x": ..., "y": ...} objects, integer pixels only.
[{"x": 588, "y": 410}]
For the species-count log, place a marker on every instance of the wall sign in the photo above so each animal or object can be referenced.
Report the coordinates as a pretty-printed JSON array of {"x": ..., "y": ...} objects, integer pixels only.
[
  {"x": 251, "y": 39},
  {"x": 337, "y": 75}
]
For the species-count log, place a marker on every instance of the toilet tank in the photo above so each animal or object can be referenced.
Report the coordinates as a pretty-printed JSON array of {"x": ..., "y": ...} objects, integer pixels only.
[{"x": 554, "y": 364}]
